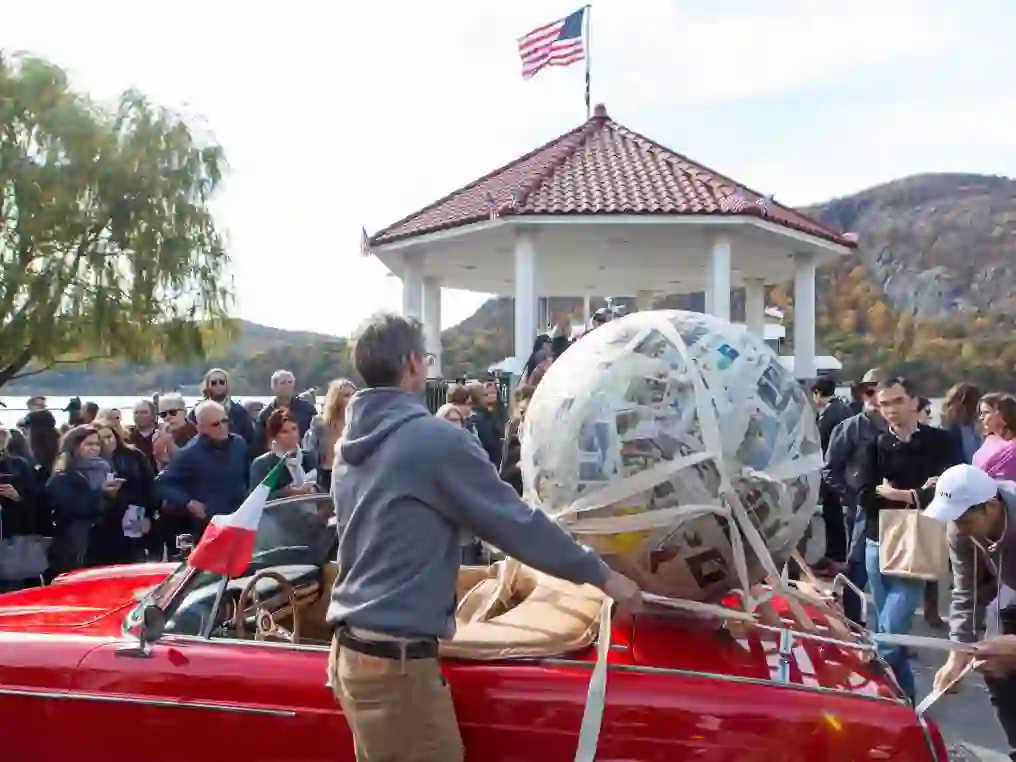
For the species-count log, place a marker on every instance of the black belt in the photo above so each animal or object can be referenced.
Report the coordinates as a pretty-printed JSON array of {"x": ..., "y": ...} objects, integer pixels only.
[{"x": 389, "y": 649}]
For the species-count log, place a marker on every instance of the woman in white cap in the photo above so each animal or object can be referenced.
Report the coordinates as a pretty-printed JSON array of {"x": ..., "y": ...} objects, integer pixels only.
[{"x": 981, "y": 514}]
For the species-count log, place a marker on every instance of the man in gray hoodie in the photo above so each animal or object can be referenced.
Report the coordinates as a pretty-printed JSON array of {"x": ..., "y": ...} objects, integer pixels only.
[
  {"x": 406, "y": 485},
  {"x": 981, "y": 513}
]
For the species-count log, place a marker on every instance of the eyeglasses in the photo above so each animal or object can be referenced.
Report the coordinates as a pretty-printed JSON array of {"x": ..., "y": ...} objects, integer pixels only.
[
  {"x": 164, "y": 414},
  {"x": 216, "y": 382}
]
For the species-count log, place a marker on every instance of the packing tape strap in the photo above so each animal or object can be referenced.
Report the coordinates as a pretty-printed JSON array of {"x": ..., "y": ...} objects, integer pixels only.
[
  {"x": 706, "y": 413},
  {"x": 596, "y": 694}
]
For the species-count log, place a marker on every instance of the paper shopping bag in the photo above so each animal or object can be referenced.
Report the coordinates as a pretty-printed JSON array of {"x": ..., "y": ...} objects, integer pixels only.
[{"x": 911, "y": 545}]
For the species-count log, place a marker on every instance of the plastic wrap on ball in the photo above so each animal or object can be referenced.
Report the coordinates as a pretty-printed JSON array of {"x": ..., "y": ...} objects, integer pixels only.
[{"x": 644, "y": 430}]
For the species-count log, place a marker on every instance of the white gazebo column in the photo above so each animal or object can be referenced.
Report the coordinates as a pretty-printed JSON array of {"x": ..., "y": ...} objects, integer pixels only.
[
  {"x": 432, "y": 323},
  {"x": 644, "y": 300},
  {"x": 526, "y": 300},
  {"x": 755, "y": 306},
  {"x": 718, "y": 287},
  {"x": 586, "y": 307},
  {"x": 412, "y": 285},
  {"x": 804, "y": 316}
]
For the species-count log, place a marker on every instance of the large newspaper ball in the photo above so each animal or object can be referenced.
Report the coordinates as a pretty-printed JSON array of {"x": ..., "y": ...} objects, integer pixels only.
[{"x": 644, "y": 435}]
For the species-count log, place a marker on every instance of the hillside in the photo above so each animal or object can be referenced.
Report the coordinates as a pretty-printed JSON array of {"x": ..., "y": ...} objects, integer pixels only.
[{"x": 931, "y": 294}]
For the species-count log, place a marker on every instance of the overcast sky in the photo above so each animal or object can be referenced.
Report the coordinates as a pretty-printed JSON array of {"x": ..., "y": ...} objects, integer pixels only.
[{"x": 335, "y": 115}]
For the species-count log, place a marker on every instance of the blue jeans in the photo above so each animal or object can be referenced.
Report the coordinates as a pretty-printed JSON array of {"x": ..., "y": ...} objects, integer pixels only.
[{"x": 896, "y": 602}]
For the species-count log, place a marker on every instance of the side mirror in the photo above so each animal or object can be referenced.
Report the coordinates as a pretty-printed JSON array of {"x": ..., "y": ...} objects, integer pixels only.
[{"x": 153, "y": 624}]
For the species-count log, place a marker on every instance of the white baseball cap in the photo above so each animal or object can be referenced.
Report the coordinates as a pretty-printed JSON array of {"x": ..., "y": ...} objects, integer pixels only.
[{"x": 959, "y": 489}]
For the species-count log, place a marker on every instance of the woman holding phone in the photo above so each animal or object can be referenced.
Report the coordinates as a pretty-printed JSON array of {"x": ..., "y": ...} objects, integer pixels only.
[
  {"x": 129, "y": 504},
  {"x": 77, "y": 491}
]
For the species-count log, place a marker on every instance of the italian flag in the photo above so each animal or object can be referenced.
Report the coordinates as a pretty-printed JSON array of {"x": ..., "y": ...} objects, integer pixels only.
[{"x": 227, "y": 545}]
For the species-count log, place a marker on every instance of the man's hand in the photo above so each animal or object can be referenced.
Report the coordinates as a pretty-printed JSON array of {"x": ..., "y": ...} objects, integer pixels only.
[
  {"x": 888, "y": 492},
  {"x": 946, "y": 676},
  {"x": 997, "y": 656},
  {"x": 624, "y": 592},
  {"x": 8, "y": 491},
  {"x": 930, "y": 483},
  {"x": 197, "y": 510}
]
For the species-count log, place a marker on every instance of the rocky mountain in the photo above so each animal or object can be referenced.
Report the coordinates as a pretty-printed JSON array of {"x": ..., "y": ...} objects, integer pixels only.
[
  {"x": 937, "y": 244},
  {"x": 931, "y": 294}
]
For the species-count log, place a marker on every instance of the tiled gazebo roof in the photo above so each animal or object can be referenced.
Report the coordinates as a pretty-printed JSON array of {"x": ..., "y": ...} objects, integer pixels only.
[{"x": 601, "y": 168}]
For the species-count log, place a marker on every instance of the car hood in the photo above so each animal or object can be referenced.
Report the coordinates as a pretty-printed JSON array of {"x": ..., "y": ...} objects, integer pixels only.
[{"x": 83, "y": 598}]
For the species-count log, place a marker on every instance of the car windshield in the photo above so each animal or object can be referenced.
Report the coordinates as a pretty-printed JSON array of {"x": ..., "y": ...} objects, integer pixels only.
[{"x": 294, "y": 536}]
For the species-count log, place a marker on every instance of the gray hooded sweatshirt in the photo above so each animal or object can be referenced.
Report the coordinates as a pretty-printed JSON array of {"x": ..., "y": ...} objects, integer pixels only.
[
  {"x": 980, "y": 573},
  {"x": 406, "y": 485}
]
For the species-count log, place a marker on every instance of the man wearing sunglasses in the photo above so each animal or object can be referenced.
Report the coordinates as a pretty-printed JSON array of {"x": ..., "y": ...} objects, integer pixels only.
[
  {"x": 209, "y": 475},
  {"x": 215, "y": 387},
  {"x": 842, "y": 474}
]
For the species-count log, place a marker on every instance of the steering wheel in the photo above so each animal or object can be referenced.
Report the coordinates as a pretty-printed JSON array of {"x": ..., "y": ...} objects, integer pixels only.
[{"x": 265, "y": 626}]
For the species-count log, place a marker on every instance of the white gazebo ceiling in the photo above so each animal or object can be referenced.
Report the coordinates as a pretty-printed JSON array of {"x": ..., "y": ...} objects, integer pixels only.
[{"x": 606, "y": 255}]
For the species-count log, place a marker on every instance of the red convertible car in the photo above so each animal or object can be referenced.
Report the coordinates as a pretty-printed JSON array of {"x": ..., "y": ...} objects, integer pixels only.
[{"x": 164, "y": 663}]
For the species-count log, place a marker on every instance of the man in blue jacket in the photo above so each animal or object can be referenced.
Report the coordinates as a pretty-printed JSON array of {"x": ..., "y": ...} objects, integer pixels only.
[{"x": 209, "y": 475}]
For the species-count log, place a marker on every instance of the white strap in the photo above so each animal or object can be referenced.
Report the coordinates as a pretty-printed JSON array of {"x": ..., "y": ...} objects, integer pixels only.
[
  {"x": 596, "y": 696},
  {"x": 934, "y": 696}
]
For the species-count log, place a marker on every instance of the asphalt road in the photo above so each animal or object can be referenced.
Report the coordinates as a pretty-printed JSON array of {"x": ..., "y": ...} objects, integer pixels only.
[{"x": 966, "y": 718}]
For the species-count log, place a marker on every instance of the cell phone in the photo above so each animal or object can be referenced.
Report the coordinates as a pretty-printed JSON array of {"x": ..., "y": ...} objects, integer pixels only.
[{"x": 5, "y": 478}]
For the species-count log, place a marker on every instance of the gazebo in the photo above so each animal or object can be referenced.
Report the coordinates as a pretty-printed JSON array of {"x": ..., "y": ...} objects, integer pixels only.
[{"x": 604, "y": 210}]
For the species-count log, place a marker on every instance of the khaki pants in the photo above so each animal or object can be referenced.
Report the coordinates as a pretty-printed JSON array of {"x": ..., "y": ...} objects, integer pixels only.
[{"x": 397, "y": 711}]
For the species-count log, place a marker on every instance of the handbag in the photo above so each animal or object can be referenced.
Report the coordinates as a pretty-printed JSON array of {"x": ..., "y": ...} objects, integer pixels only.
[
  {"x": 911, "y": 545},
  {"x": 23, "y": 557}
]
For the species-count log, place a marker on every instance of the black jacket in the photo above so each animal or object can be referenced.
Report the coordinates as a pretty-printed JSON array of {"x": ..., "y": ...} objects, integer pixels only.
[
  {"x": 489, "y": 427},
  {"x": 831, "y": 416},
  {"x": 845, "y": 451},
  {"x": 905, "y": 465},
  {"x": 24, "y": 516}
]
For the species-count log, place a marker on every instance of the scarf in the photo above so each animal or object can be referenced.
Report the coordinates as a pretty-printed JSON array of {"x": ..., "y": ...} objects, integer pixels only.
[
  {"x": 294, "y": 464},
  {"x": 96, "y": 470}
]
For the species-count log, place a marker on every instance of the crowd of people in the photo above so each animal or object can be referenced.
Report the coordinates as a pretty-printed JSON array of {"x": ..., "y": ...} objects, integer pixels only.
[
  {"x": 882, "y": 453},
  {"x": 94, "y": 491}
]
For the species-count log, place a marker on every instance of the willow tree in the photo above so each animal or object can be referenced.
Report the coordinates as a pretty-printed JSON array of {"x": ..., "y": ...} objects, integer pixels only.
[{"x": 108, "y": 247}]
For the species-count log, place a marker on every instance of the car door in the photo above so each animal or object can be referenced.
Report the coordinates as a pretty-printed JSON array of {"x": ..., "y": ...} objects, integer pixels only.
[{"x": 206, "y": 700}]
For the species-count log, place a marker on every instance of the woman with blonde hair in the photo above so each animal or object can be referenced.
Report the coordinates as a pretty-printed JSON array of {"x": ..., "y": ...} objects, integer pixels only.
[{"x": 326, "y": 428}]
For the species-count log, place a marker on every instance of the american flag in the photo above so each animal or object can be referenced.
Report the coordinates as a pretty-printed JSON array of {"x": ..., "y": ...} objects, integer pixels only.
[
  {"x": 765, "y": 205},
  {"x": 559, "y": 43},
  {"x": 735, "y": 202},
  {"x": 492, "y": 206},
  {"x": 364, "y": 242}
]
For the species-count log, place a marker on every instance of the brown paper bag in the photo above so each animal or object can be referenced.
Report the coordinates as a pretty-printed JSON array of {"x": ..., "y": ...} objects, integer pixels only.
[{"x": 911, "y": 545}]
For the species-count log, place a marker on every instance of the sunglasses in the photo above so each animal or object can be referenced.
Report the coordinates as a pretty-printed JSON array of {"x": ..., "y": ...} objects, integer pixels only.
[
  {"x": 216, "y": 382},
  {"x": 164, "y": 414},
  {"x": 868, "y": 391},
  {"x": 220, "y": 422}
]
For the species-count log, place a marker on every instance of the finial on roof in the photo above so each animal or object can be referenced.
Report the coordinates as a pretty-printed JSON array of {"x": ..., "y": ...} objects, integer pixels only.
[{"x": 600, "y": 112}]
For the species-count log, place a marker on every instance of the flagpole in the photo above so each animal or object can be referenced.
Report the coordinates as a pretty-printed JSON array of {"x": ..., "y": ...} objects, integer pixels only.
[{"x": 589, "y": 22}]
